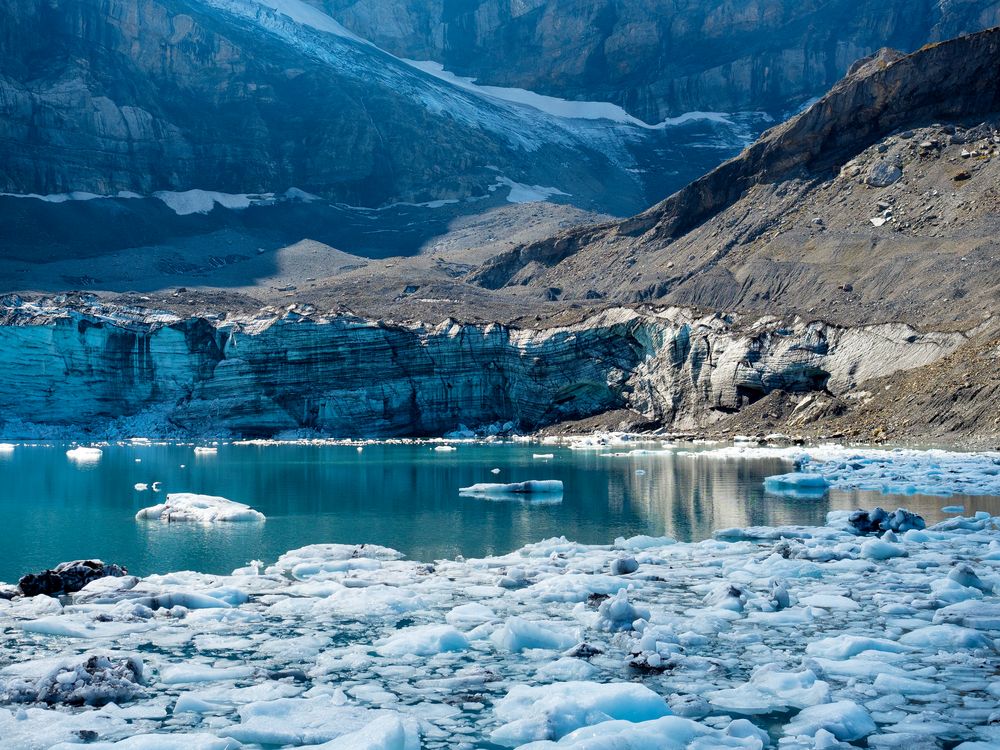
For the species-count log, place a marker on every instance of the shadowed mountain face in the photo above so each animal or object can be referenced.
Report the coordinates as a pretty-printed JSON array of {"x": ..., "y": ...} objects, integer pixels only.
[
  {"x": 239, "y": 97},
  {"x": 659, "y": 58}
]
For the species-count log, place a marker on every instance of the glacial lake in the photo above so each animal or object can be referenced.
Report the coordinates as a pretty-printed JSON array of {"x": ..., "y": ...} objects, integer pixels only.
[{"x": 403, "y": 496}]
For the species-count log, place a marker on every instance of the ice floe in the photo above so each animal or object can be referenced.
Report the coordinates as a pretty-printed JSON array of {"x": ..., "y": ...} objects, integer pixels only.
[
  {"x": 543, "y": 488},
  {"x": 193, "y": 508},
  {"x": 899, "y": 471},
  {"x": 788, "y": 637},
  {"x": 84, "y": 454}
]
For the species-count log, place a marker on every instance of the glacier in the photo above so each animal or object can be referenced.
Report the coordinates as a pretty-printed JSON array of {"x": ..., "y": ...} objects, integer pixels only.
[{"x": 117, "y": 372}]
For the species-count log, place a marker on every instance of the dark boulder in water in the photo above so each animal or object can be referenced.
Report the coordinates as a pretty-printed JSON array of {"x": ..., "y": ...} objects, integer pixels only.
[
  {"x": 67, "y": 577},
  {"x": 878, "y": 520}
]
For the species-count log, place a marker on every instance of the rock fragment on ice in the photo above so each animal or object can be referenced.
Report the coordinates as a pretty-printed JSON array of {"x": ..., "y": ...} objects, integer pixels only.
[
  {"x": 878, "y": 520},
  {"x": 192, "y": 508},
  {"x": 67, "y": 577}
]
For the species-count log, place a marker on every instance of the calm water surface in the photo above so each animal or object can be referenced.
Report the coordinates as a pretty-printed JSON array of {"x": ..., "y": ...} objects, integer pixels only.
[{"x": 401, "y": 496}]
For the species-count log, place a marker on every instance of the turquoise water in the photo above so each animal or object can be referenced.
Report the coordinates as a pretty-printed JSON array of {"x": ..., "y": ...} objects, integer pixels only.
[{"x": 401, "y": 496}]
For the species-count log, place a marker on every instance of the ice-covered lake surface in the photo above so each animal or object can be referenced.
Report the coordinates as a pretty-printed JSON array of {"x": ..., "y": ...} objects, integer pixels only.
[
  {"x": 57, "y": 507},
  {"x": 785, "y": 628}
]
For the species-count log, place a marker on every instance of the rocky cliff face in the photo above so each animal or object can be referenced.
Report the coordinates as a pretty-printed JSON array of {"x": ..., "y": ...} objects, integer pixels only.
[
  {"x": 656, "y": 58},
  {"x": 103, "y": 96},
  {"x": 132, "y": 371},
  {"x": 880, "y": 199}
]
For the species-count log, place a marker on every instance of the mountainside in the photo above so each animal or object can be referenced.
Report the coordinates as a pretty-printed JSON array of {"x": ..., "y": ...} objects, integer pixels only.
[
  {"x": 254, "y": 96},
  {"x": 841, "y": 276},
  {"x": 658, "y": 59},
  {"x": 879, "y": 202}
]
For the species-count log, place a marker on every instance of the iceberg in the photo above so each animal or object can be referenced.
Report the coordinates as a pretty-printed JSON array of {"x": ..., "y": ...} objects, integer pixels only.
[
  {"x": 192, "y": 508},
  {"x": 799, "y": 485}
]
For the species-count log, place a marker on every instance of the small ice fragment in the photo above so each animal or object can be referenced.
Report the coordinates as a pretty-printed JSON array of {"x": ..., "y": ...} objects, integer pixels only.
[
  {"x": 444, "y": 448},
  {"x": 141, "y": 487},
  {"x": 542, "y": 455},
  {"x": 203, "y": 450},
  {"x": 953, "y": 509},
  {"x": 494, "y": 471},
  {"x": 7, "y": 447},
  {"x": 846, "y": 720},
  {"x": 640, "y": 472},
  {"x": 622, "y": 566}
]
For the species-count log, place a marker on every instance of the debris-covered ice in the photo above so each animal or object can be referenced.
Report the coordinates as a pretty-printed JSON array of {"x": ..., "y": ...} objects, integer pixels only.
[
  {"x": 784, "y": 637},
  {"x": 189, "y": 507}
]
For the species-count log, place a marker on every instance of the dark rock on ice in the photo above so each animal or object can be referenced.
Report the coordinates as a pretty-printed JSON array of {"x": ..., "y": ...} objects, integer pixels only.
[{"x": 67, "y": 577}]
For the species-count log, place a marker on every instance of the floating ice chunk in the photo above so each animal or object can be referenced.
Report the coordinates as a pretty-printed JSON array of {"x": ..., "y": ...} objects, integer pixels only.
[
  {"x": 878, "y": 549},
  {"x": 543, "y": 455},
  {"x": 84, "y": 454},
  {"x": 946, "y": 638},
  {"x": 845, "y": 720},
  {"x": 897, "y": 684},
  {"x": 617, "y": 613},
  {"x": 179, "y": 674},
  {"x": 202, "y": 450},
  {"x": 797, "y": 485},
  {"x": 7, "y": 448},
  {"x": 567, "y": 668},
  {"x": 964, "y": 575},
  {"x": 829, "y": 601},
  {"x": 770, "y": 690},
  {"x": 548, "y": 488},
  {"x": 189, "y": 507},
  {"x": 470, "y": 615},
  {"x": 93, "y": 680},
  {"x": 549, "y": 712},
  {"x": 642, "y": 542},
  {"x": 518, "y": 634},
  {"x": 494, "y": 471},
  {"x": 667, "y": 733},
  {"x": 310, "y": 721},
  {"x": 444, "y": 448},
  {"x": 144, "y": 741},
  {"x": 953, "y": 509},
  {"x": 623, "y": 566},
  {"x": 846, "y": 646},
  {"x": 423, "y": 640},
  {"x": 141, "y": 487},
  {"x": 386, "y": 732},
  {"x": 537, "y": 491}
]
